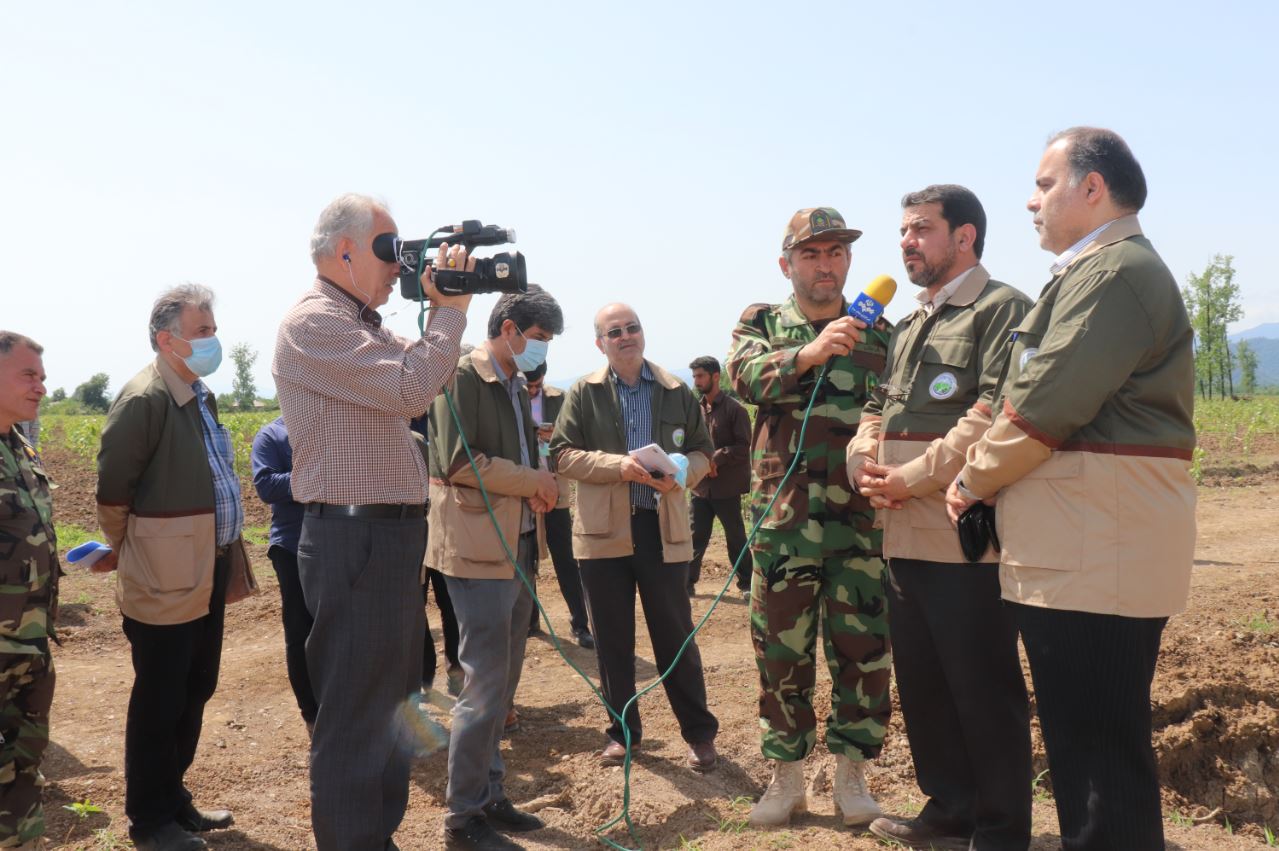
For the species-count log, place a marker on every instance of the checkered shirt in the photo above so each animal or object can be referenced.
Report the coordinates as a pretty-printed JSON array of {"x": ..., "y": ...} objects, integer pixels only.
[
  {"x": 348, "y": 388},
  {"x": 228, "y": 513}
]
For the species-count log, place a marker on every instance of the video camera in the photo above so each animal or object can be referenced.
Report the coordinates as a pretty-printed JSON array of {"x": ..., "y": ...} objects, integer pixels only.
[{"x": 501, "y": 273}]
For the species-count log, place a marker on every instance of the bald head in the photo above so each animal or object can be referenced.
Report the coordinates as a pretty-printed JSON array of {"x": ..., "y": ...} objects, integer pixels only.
[
  {"x": 615, "y": 312},
  {"x": 620, "y": 337}
]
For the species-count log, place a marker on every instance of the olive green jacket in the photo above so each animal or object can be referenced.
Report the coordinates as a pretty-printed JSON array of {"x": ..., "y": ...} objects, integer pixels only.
[
  {"x": 552, "y": 404},
  {"x": 155, "y": 498},
  {"x": 948, "y": 363},
  {"x": 589, "y": 446},
  {"x": 1091, "y": 445},
  {"x": 463, "y": 541}
]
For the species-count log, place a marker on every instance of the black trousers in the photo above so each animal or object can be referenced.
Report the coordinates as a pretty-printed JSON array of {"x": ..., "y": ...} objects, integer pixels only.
[
  {"x": 1092, "y": 676},
  {"x": 435, "y": 582},
  {"x": 559, "y": 540},
  {"x": 297, "y": 626},
  {"x": 963, "y": 698},
  {"x": 175, "y": 672},
  {"x": 729, "y": 512},
  {"x": 610, "y": 585}
]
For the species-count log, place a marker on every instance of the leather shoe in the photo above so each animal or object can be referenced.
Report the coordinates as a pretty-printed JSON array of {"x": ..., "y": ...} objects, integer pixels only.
[
  {"x": 584, "y": 638},
  {"x": 702, "y": 756},
  {"x": 916, "y": 833},
  {"x": 503, "y": 816},
  {"x": 512, "y": 722},
  {"x": 477, "y": 835},
  {"x": 615, "y": 753},
  {"x": 167, "y": 837},
  {"x": 198, "y": 821}
]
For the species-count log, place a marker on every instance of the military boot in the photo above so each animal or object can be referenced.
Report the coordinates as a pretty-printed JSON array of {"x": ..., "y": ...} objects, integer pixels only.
[
  {"x": 784, "y": 796},
  {"x": 852, "y": 797}
]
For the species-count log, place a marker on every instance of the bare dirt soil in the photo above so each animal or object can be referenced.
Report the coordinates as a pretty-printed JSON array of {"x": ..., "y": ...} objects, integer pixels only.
[{"x": 1216, "y": 703}]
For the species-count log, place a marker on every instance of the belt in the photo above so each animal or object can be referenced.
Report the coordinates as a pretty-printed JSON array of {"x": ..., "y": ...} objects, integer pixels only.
[
  {"x": 222, "y": 550},
  {"x": 375, "y": 511},
  {"x": 638, "y": 509}
]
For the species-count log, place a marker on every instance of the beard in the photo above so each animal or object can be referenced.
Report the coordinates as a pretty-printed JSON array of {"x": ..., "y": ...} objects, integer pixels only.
[{"x": 928, "y": 274}]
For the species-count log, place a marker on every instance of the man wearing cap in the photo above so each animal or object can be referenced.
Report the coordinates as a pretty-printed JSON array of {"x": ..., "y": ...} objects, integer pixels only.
[
  {"x": 1089, "y": 456},
  {"x": 817, "y": 555},
  {"x": 959, "y": 679}
]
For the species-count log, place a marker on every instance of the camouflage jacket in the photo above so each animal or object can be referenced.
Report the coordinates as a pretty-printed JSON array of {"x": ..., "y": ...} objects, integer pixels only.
[
  {"x": 29, "y": 567},
  {"x": 818, "y": 506}
]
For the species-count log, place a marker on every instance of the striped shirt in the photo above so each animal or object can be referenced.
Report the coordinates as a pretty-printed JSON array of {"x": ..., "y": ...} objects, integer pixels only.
[
  {"x": 637, "y": 419},
  {"x": 228, "y": 513},
  {"x": 348, "y": 388}
]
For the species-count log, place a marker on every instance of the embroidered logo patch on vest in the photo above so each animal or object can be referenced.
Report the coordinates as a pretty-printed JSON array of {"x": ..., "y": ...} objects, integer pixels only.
[
  {"x": 678, "y": 437},
  {"x": 1025, "y": 357},
  {"x": 943, "y": 386}
]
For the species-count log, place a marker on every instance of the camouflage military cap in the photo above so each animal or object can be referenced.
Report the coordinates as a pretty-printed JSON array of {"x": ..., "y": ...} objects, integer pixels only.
[{"x": 817, "y": 223}]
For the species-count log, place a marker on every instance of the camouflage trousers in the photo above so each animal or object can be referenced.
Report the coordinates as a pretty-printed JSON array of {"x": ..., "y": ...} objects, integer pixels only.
[
  {"x": 26, "y": 693},
  {"x": 789, "y": 596}
]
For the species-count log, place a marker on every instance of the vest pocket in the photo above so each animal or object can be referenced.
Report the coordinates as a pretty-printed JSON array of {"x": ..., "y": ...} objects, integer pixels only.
[
  {"x": 594, "y": 514},
  {"x": 1040, "y": 519},
  {"x": 162, "y": 549}
]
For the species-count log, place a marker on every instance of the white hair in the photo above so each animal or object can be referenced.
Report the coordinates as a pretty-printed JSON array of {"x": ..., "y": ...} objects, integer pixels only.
[{"x": 349, "y": 215}]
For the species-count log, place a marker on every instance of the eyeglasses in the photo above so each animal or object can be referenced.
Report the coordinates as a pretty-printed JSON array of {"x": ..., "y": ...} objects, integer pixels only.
[
  {"x": 889, "y": 393},
  {"x": 631, "y": 329}
]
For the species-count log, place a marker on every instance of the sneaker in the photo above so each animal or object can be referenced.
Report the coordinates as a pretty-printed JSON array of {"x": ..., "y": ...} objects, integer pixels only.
[
  {"x": 584, "y": 638},
  {"x": 477, "y": 835},
  {"x": 503, "y": 816}
]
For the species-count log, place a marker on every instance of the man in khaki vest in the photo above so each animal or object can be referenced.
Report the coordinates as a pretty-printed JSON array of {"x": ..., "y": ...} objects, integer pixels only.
[
  {"x": 1089, "y": 457},
  {"x": 959, "y": 678}
]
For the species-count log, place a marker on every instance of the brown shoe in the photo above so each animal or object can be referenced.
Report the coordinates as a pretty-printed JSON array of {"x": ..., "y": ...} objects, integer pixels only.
[
  {"x": 512, "y": 722},
  {"x": 615, "y": 753},
  {"x": 914, "y": 833},
  {"x": 702, "y": 756}
]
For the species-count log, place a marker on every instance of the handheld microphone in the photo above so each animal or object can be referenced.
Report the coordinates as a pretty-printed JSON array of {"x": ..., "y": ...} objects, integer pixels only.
[{"x": 874, "y": 298}]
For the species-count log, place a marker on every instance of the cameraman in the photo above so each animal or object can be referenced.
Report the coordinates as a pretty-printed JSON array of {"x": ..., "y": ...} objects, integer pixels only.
[{"x": 348, "y": 388}]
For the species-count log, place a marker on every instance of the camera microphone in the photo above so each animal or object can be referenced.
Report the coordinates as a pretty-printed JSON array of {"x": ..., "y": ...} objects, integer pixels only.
[{"x": 870, "y": 305}]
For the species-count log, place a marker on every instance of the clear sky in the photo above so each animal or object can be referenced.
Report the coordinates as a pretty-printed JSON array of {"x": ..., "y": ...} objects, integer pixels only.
[{"x": 647, "y": 152}]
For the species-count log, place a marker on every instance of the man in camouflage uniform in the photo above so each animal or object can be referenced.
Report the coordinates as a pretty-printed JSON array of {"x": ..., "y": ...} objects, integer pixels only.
[
  {"x": 28, "y": 598},
  {"x": 817, "y": 557}
]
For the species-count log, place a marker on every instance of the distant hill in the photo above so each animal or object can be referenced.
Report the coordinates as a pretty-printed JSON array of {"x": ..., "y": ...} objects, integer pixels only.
[
  {"x": 1267, "y": 350},
  {"x": 1267, "y": 330}
]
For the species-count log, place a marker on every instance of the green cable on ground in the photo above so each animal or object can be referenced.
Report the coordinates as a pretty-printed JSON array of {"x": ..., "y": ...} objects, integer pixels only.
[{"x": 625, "y": 814}]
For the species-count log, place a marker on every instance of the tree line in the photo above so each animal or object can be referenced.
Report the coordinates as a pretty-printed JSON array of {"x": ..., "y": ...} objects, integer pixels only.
[{"x": 1212, "y": 300}]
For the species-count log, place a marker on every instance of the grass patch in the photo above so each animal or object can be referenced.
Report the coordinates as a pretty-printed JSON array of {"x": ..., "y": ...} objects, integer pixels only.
[
  {"x": 258, "y": 536},
  {"x": 1260, "y": 623},
  {"x": 71, "y": 536}
]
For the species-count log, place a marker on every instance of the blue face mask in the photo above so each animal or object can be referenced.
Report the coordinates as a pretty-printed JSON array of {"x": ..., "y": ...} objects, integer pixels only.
[
  {"x": 205, "y": 357},
  {"x": 533, "y": 356}
]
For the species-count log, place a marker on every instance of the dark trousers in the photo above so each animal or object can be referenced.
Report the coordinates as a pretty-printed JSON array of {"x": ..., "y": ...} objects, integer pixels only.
[
  {"x": 297, "y": 626},
  {"x": 729, "y": 512},
  {"x": 610, "y": 585},
  {"x": 175, "y": 672},
  {"x": 963, "y": 698},
  {"x": 435, "y": 582},
  {"x": 559, "y": 540},
  {"x": 1092, "y": 676},
  {"x": 361, "y": 582}
]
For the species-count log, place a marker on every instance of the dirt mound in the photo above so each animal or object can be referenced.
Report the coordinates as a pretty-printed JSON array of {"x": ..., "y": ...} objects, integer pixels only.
[
  {"x": 1218, "y": 749},
  {"x": 1243, "y": 475}
]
